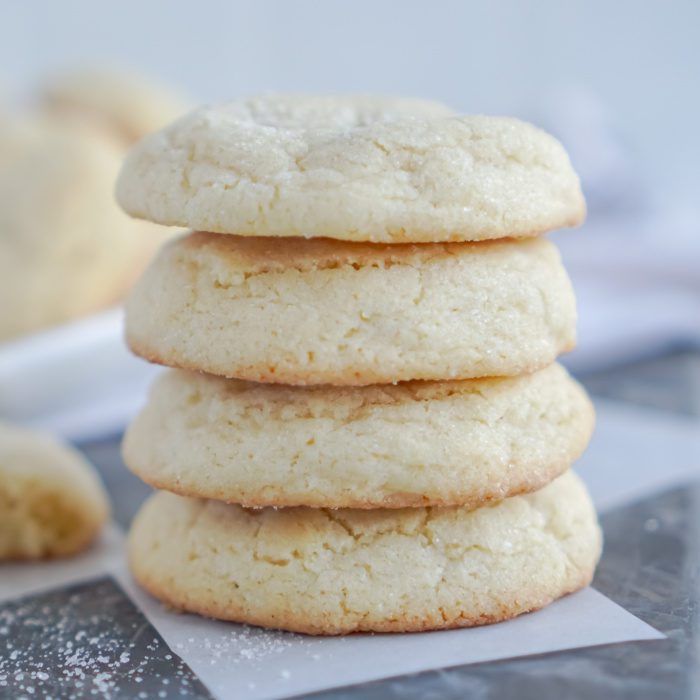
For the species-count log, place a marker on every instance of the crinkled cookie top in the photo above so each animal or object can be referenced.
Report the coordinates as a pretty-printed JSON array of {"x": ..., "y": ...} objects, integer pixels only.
[{"x": 353, "y": 168}]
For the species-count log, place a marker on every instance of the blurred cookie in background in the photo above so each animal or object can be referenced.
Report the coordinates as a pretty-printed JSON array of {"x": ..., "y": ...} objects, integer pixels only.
[
  {"x": 52, "y": 503},
  {"x": 124, "y": 103},
  {"x": 66, "y": 250}
]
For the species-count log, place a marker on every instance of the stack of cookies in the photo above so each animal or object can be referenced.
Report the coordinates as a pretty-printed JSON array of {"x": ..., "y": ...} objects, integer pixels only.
[{"x": 366, "y": 429}]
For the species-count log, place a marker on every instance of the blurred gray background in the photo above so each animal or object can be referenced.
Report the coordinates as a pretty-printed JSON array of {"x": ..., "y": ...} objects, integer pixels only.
[{"x": 639, "y": 59}]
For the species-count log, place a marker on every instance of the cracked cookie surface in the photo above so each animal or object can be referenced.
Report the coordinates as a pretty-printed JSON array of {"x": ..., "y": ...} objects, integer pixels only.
[
  {"x": 319, "y": 311},
  {"x": 352, "y": 168},
  {"x": 416, "y": 443},
  {"x": 324, "y": 571}
]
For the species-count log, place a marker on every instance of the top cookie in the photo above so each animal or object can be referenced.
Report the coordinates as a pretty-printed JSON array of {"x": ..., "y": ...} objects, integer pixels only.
[{"x": 352, "y": 168}]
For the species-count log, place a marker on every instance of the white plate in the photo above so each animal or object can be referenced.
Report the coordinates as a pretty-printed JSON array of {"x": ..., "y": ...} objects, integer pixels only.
[{"x": 77, "y": 380}]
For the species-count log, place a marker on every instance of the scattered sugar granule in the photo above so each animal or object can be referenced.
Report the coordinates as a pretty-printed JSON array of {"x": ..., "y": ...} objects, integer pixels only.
[{"x": 88, "y": 640}]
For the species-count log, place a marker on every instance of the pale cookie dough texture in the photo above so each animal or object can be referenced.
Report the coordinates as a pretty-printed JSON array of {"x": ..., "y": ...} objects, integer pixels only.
[
  {"x": 324, "y": 571},
  {"x": 362, "y": 169},
  {"x": 125, "y": 104},
  {"x": 52, "y": 503},
  {"x": 66, "y": 249},
  {"x": 418, "y": 443},
  {"x": 319, "y": 311}
]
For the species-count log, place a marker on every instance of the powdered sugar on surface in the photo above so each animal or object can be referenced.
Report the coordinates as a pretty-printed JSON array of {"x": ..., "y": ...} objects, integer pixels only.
[{"x": 88, "y": 640}]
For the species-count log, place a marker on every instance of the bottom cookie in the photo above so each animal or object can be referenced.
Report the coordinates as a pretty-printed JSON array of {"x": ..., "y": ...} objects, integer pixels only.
[{"x": 321, "y": 571}]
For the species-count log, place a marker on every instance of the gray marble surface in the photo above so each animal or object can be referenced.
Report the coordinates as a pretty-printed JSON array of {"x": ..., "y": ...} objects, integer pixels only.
[{"x": 650, "y": 566}]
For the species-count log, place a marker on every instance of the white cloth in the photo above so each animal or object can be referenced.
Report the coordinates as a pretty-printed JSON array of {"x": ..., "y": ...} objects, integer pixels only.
[
  {"x": 637, "y": 285},
  {"x": 635, "y": 264}
]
